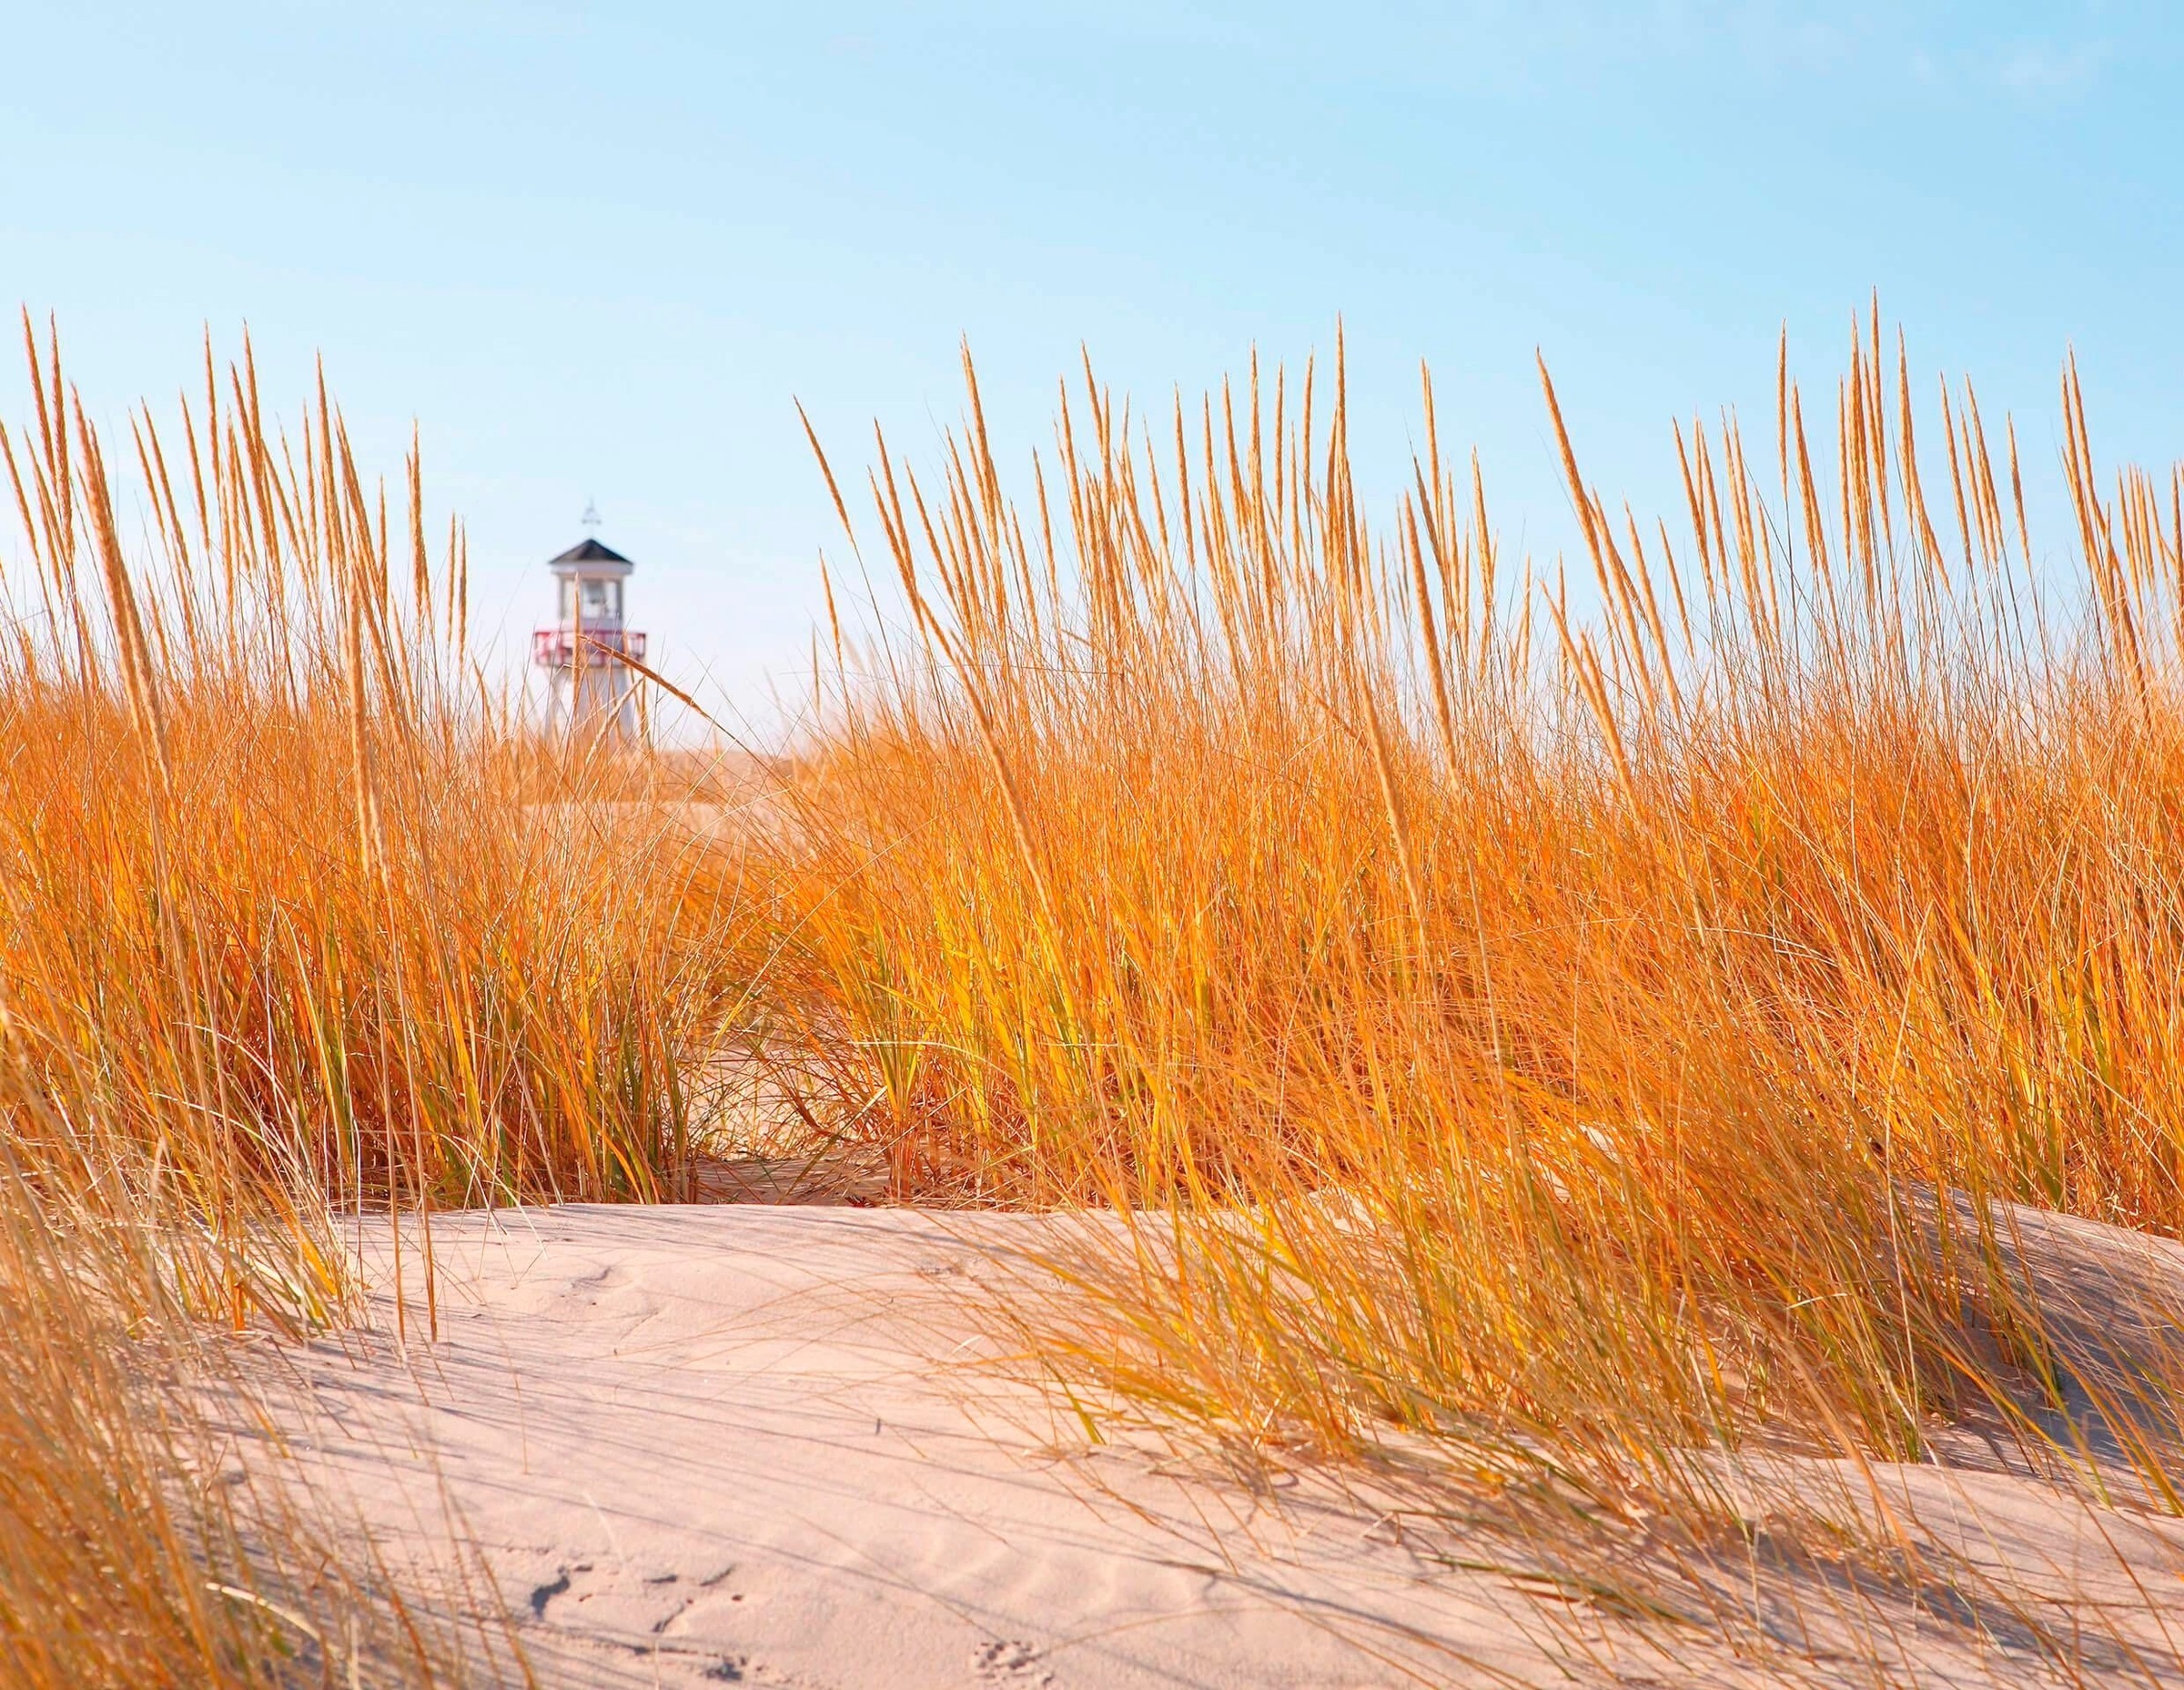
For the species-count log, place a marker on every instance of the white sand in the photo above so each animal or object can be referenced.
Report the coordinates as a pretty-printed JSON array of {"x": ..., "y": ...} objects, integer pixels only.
[{"x": 740, "y": 1444}]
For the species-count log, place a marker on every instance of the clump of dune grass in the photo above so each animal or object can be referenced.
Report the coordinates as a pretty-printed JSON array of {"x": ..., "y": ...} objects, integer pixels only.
[
  {"x": 135, "y": 1549},
  {"x": 299, "y": 916},
  {"x": 1599, "y": 1015},
  {"x": 298, "y": 924}
]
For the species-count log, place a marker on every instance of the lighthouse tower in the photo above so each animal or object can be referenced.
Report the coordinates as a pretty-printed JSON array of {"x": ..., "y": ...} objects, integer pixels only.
[{"x": 591, "y": 693}]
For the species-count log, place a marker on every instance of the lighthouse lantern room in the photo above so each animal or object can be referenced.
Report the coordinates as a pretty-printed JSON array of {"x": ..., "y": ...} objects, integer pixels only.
[{"x": 592, "y": 691}]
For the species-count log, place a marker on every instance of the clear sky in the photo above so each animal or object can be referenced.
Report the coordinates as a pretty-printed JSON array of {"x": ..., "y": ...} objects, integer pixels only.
[{"x": 597, "y": 250}]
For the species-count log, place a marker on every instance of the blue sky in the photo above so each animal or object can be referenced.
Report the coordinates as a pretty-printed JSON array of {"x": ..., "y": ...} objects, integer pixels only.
[{"x": 598, "y": 250}]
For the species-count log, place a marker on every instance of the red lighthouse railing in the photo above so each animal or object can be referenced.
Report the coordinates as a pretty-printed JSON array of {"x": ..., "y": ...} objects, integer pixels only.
[{"x": 556, "y": 648}]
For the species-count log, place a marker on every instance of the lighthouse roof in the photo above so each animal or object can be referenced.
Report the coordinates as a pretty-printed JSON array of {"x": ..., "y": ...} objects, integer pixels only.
[{"x": 591, "y": 558}]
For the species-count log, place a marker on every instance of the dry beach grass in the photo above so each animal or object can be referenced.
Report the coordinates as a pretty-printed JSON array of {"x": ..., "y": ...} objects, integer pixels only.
[
  {"x": 289, "y": 926},
  {"x": 137, "y": 1547},
  {"x": 1590, "y": 1054},
  {"x": 1543, "y": 1035}
]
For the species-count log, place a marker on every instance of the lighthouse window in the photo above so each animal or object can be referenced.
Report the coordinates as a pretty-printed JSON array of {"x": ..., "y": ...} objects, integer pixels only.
[{"x": 602, "y": 601}]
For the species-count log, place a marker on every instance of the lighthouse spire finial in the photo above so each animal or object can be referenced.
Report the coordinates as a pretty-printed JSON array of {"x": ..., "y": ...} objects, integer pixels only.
[{"x": 591, "y": 517}]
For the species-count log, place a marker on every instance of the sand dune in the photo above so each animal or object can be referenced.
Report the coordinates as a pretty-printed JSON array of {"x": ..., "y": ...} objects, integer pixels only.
[{"x": 737, "y": 1443}]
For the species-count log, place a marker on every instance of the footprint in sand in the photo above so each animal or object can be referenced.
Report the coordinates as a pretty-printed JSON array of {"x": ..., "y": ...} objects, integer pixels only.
[
  {"x": 1009, "y": 1661},
  {"x": 626, "y": 1604}
]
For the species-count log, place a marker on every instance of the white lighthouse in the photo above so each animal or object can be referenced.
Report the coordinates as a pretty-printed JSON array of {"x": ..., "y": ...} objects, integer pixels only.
[{"x": 591, "y": 693}]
